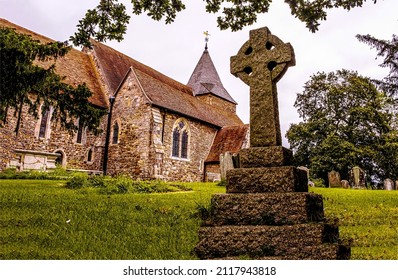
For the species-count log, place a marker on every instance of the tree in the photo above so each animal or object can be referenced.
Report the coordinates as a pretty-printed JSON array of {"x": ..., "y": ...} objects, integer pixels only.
[
  {"x": 24, "y": 83},
  {"x": 109, "y": 19},
  {"x": 347, "y": 121},
  {"x": 389, "y": 51}
]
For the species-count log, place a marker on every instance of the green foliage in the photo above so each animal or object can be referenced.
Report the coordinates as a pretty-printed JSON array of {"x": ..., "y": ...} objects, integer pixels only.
[
  {"x": 122, "y": 185},
  {"x": 109, "y": 19},
  {"x": 58, "y": 173},
  {"x": 78, "y": 180},
  {"x": 24, "y": 83},
  {"x": 388, "y": 50},
  {"x": 346, "y": 122},
  {"x": 319, "y": 183}
]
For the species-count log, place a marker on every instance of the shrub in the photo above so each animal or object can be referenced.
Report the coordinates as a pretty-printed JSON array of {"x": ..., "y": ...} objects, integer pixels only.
[
  {"x": 78, "y": 180},
  {"x": 319, "y": 183}
]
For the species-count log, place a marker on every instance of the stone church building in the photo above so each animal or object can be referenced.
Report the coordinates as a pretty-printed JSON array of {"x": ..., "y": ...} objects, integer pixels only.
[{"x": 156, "y": 127}]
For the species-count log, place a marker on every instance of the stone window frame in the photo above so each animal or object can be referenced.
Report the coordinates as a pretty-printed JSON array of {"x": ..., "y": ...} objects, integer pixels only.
[
  {"x": 115, "y": 140},
  {"x": 90, "y": 155},
  {"x": 44, "y": 124},
  {"x": 180, "y": 140},
  {"x": 63, "y": 157},
  {"x": 83, "y": 131}
]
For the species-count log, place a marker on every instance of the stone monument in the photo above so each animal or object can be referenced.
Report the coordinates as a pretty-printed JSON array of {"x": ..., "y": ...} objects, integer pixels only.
[
  {"x": 334, "y": 179},
  {"x": 267, "y": 212},
  {"x": 357, "y": 178},
  {"x": 388, "y": 185}
]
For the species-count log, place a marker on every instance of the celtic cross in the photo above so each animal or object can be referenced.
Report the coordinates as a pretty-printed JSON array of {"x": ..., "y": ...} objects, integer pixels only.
[{"x": 260, "y": 63}]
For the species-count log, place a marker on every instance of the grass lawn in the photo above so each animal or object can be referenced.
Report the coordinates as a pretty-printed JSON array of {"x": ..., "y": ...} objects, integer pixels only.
[
  {"x": 368, "y": 218},
  {"x": 44, "y": 220}
]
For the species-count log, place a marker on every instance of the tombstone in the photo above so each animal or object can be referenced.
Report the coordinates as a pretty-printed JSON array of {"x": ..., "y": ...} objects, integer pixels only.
[
  {"x": 267, "y": 211},
  {"x": 388, "y": 185},
  {"x": 305, "y": 169},
  {"x": 345, "y": 184},
  {"x": 226, "y": 163},
  {"x": 357, "y": 178},
  {"x": 334, "y": 179}
]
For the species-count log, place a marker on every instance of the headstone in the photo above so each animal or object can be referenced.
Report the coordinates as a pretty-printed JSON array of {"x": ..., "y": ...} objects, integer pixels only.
[
  {"x": 226, "y": 163},
  {"x": 306, "y": 169},
  {"x": 334, "y": 179},
  {"x": 267, "y": 211},
  {"x": 388, "y": 185},
  {"x": 357, "y": 178},
  {"x": 345, "y": 184}
]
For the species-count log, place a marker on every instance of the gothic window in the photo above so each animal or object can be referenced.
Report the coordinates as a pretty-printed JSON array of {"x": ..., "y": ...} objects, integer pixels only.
[
  {"x": 115, "y": 133},
  {"x": 184, "y": 144},
  {"x": 45, "y": 124},
  {"x": 180, "y": 139},
  {"x": 176, "y": 142},
  {"x": 79, "y": 137},
  {"x": 90, "y": 155}
]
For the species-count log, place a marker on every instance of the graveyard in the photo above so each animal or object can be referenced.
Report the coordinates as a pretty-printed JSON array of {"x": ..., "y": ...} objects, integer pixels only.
[
  {"x": 53, "y": 222},
  {"x": 267, "y": 207}
]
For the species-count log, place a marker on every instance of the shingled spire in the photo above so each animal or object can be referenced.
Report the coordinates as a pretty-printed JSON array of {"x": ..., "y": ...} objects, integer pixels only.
[{"x": 205, "y": 79}]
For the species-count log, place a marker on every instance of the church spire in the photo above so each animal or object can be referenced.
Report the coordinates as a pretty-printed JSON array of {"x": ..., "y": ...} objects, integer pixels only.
[{"x": 205, "y": 79}]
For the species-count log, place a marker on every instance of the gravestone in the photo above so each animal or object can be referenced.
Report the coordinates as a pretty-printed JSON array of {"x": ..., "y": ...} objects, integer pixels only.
[
  {"x": 267, "y": 212},
  {"x": 357, "y": 178},
  {"x": 345, "y": 184},
  {"x": 388, "y": 185},
  {"x": 226, "y": 163},
  {"x": 334, "y": 179}
]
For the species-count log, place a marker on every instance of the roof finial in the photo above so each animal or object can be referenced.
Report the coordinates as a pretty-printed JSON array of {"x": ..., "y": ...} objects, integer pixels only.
[{"x": 207, "y": 34}]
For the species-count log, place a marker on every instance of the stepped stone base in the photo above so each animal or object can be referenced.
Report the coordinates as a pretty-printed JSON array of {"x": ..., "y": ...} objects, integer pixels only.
[
  {"x": 263, "y": 241},
  {"x": 267, "y": 179},
  {"x": 320, "y": 252},
  {"x": 265, "y": 157},
  {"x": 266, "y": 209}
]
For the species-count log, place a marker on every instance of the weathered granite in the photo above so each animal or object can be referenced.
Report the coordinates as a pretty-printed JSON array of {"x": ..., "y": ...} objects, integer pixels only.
[
  {"x": 270, "y": 179},
  {"x": 257, "y": 241},
  {"x": 319, "y": 252},
  {"x": 266, "y": 209},
  {"x": 265, "y": 157},
  {"x": 260, "y": 63},
  {"x": 267, "y": 212}
]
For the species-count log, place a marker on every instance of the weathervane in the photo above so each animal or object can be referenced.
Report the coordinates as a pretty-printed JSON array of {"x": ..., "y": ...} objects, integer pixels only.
[{"x": 207, "y": 34}]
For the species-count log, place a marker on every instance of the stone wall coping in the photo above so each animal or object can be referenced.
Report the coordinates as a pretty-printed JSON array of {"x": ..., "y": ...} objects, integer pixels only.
[{"x": 20, "y": 151}]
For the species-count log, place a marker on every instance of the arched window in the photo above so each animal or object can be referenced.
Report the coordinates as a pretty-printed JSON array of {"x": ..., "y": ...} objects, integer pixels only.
[
  {"x": 45, "y": 123},
  {"x": 80, "y": 130},
  {"x": 90, "y": 155},
  {"x": 115, "y": 133},
  {"x": 180, "y": 139}
]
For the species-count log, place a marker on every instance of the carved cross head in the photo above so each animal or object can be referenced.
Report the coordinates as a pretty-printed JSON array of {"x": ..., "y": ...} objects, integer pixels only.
[{"x": 264, "y": 57}]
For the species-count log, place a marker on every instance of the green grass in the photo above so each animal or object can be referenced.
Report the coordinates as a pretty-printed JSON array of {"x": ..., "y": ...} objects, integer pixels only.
[
  {"x": 45, "y": 220},
  {"x": 41, "y": 219},
  {"x": 369, "y": 219}
]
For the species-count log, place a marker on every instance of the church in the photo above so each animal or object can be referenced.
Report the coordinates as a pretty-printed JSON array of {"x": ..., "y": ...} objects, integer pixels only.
[{"x": 155, "y": 128}]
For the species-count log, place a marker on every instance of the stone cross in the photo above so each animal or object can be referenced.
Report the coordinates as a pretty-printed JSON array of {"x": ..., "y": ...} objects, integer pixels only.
[{"x": 260, "y": 63}]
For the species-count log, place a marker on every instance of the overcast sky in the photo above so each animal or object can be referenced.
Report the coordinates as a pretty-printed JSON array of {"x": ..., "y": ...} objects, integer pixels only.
[{"x": 175, "y": 49}]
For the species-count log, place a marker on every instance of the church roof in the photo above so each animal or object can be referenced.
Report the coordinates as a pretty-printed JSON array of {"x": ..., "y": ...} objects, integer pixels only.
[
  {"x": 205, "y": 79},
  {"x": 228, "y": 139},
  {"x": 76, "y": 66},
  {"x": 161, "y": 90}
]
